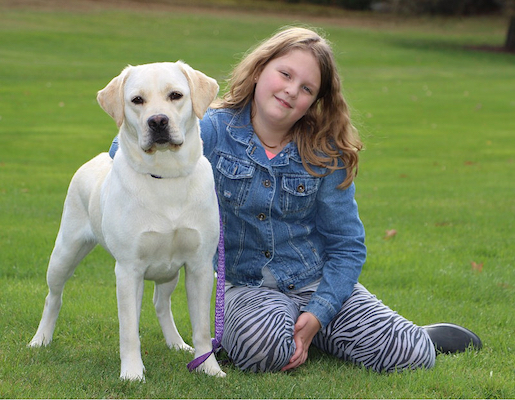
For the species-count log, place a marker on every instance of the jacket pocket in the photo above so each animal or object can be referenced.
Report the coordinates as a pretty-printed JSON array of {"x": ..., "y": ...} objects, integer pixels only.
[
  {"x": 233, "y": 180},
  {"x": 298, "y": 194}
]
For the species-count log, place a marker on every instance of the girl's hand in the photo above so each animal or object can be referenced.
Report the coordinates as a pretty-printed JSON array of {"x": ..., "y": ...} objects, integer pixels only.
[{"x": 305, "y": 329}]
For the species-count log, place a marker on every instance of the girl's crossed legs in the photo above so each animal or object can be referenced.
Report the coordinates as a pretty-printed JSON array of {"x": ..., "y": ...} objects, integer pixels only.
[{"x": 259, "y": 324}]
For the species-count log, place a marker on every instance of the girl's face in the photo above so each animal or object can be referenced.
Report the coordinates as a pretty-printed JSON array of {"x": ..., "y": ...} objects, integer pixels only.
[{"x": 285, "y": 90}]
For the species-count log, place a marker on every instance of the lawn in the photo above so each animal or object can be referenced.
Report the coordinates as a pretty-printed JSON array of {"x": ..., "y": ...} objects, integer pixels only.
[{"x": 438, "y": 174}]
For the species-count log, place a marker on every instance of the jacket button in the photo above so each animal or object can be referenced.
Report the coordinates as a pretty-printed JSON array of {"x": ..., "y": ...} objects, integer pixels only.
[
  {"x": 301, "y": 188},
  {"x": 268, "y": 254},
  {"x": 261, "y": 216},
  {"x": 291, "y": 286},
  {"x": 267, "y": 183}
]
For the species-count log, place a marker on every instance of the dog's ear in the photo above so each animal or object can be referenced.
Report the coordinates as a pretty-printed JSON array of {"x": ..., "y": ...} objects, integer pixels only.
[
  {"x": 110, "y": 98},
  {"x": 203, "y": 89}
]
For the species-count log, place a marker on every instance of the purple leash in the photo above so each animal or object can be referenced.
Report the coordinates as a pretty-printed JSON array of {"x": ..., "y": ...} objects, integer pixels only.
[{"x": 219, "y": 304}]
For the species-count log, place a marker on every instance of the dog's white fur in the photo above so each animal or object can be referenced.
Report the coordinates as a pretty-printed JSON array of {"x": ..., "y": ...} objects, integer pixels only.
[{"x": 153, "y": 208}]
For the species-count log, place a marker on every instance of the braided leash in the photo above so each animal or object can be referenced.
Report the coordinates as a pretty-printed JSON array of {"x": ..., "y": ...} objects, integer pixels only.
[{"x": 219, "y": 304}]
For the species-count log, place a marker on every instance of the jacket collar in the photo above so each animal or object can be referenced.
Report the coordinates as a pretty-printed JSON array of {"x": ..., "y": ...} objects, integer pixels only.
[{"x": 240, "y": 128}]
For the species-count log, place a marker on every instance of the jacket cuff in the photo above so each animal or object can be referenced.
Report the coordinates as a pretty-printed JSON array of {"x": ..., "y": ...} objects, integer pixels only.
[{"x": 321, "y": 309}]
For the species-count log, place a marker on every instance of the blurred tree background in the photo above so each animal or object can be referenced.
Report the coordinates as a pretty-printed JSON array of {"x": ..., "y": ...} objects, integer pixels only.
[
  {"x": 417, "y": 7},
  {"x": 457, "y": 8}
]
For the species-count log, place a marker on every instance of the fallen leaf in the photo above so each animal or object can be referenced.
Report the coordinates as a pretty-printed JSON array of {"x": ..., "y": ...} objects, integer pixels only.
[
  {"x": 477, "y": 267},
  {"x": 505, "y": 285},
  {"x": 390, "y": 233},
  {"x": 443, "y": 223}
]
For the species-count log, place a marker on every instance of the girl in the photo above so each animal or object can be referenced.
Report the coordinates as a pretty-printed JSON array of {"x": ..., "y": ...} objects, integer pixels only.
[{"x": 284, "y": 156}]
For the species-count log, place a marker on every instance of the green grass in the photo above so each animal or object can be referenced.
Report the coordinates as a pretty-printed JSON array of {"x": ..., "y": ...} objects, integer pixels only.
[{"x": 439, "y": 168}]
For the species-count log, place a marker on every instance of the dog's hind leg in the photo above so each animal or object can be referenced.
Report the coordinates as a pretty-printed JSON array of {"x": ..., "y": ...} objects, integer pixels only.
[
  {"x": 162, "y": 303},
  {"x": 70, "y": 248},
  {"x": 74, "y": 241}
]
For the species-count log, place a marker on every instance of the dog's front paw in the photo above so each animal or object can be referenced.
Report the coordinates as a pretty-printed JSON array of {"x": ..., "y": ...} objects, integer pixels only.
[
  {"x": 39, "y": 341},
  {"x": 211, "y": 367},
  {"x": 128, "y": 376},
  {"x": 217, "y": 373},
  {"x": 220, "y": 374},
  {"x": 133, "y": 372}
]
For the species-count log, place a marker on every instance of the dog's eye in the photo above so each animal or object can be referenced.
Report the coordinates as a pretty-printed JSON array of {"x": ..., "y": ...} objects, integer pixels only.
[
  {"x": 175, "y": 96},
  {"x": 138, "y": 100}
]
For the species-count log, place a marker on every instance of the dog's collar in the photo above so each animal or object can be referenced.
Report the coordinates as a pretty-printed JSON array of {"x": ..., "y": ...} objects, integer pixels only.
[{"x": 156, "y": 176}]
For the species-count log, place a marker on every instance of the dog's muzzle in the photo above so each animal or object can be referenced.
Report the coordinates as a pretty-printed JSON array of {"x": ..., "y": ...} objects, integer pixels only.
[
  {"x": 158, "y": 125},
  {"x": 160, "y": 137}
]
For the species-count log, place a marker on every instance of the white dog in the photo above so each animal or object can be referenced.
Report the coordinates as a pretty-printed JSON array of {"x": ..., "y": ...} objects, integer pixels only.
[{"x": 153, "y": 208}]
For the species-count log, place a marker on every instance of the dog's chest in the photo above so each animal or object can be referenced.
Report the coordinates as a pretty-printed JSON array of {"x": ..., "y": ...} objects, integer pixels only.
[{"x": 166, "y": 252}]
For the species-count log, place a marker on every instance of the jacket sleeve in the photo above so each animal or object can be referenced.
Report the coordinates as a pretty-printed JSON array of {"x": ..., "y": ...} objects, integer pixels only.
[
  {"x": 337, "y": 220},
  {"x": 208, "y": 133}
]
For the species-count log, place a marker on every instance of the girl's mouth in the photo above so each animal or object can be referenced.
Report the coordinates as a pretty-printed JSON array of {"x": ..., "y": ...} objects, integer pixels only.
[{"x": 284, "y": 103}]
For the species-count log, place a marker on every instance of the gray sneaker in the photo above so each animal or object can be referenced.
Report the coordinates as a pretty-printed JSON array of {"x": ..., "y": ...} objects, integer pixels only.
[{"x": 451, "y": 338}]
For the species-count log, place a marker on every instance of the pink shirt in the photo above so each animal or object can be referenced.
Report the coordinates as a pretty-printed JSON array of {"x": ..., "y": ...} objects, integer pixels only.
[{"x": 269, "y": 154}]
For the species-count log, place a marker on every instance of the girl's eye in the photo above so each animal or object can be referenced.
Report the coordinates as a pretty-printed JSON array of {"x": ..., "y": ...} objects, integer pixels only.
[
  {"x": 285, "y": 74},
  {"x": 138, "y": 100},
  {"x": 308, "y": 90},
  {"x": 175, "y": 96}
]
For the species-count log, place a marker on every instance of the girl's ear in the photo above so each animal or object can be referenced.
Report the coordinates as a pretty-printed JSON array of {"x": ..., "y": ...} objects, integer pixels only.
[
  {"x": 257, "y": 74},
  {"x": 203, "y": 89},
  {"x": 111, "y": 99}
]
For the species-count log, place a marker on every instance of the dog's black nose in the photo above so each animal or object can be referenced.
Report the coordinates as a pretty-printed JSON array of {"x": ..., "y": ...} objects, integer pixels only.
[{"x": 158, "y": 122}]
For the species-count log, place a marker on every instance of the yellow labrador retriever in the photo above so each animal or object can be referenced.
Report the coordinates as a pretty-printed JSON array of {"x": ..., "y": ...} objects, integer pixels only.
[{"x": 153, "y": 208}]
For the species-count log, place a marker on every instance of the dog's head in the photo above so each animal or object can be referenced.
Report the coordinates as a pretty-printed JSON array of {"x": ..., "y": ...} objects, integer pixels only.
[{"x": 158, "y": 104}]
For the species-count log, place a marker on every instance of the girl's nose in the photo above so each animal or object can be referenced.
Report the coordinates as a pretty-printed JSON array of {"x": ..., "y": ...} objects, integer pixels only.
[{"x": 292, "y": 91}]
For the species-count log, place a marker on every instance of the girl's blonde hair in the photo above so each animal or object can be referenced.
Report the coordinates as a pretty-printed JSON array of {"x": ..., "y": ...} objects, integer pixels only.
[{"x": 324, "y": 136}]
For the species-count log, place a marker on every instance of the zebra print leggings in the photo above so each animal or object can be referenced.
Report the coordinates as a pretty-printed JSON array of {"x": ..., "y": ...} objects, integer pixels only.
[{"x": 259, "y": 324}]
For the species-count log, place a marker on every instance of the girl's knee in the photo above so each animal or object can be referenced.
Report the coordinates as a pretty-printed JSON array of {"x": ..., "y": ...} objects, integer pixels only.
[
  {"x": 259, "y": 326},
  {"x": 261, "y": 350},
  {"x": 266, "y": 355}
]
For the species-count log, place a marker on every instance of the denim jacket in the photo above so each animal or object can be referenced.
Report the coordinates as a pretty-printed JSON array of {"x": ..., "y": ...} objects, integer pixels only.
[{"x": 276, "y": 214}]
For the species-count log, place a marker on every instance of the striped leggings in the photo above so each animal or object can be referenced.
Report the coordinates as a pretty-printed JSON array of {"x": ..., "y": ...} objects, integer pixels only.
[{"x": 259, "y": 324}]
